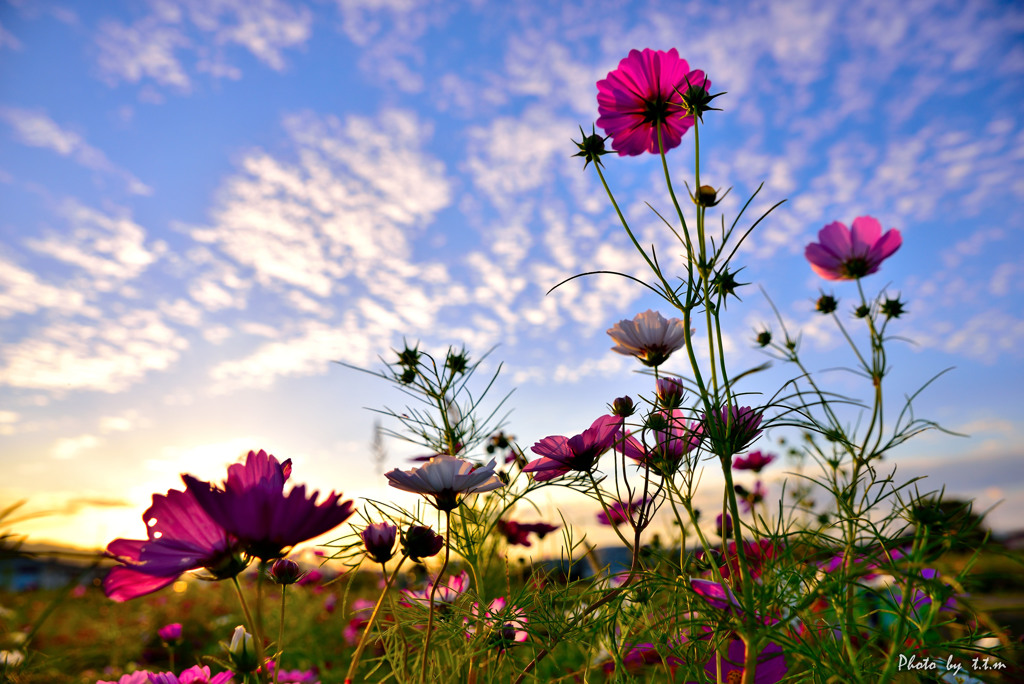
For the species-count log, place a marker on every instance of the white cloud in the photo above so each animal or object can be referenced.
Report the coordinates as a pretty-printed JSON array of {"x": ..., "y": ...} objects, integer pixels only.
[
  {"x": 68, "y": 448},
  {"x": 111, "y": 248},
  {"x": 126, "y": 421},
  {"x": 107, "y": 356},
  {"x": 145, "y": 50},
  {"x": 36, "y": 129},
  {"x": 22, "y": 292},
  {"x": 152, "y": 47}
]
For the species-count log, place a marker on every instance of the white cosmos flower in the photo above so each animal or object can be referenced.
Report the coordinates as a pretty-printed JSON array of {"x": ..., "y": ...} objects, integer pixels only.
[
  {"x": 445, "y": 478},
  {"x": 649, "y": 336}
]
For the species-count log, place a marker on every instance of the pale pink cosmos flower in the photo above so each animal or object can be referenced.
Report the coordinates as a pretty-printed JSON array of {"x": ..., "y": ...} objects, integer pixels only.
[
  {"x": 446, "y": 593},
  {"x": 445, "y": 479},
  {"x": 644, "y": 95},
  {"x": 843, "y": 253},
  {"x": 561, "y": 455},
  {"x": 649, "y": 336}
]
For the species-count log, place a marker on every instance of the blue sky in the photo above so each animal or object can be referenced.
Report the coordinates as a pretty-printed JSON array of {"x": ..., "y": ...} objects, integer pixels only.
[{"x": 205, "y": 203}]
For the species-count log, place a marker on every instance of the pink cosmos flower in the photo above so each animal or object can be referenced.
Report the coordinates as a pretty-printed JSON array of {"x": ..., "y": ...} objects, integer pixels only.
[
  {"x": 649, "y": 337},
  {"x": 559, "y": 454},
  {"x": 643, "y": 96},
  {"x": 718, "y": 596},
  {"x": 197, "y": 674},
  {"x": 446, "y": 593},
  {"x": 137, "y": 677},
  {"x": 503, "y": 626},
  {"x": 446, "y": 479},
  {"x": 845, "y": 254},
  {"x": 182, "y": 537},
  {"x": 755, "y": 461},
  {"x": 253, "y": 507}
]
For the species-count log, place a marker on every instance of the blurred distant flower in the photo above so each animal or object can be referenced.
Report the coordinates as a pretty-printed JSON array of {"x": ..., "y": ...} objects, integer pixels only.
[
  {"x": 197, "y": 674},
  {"x": 446, "y": 593},
  {"x": 361, "y": 610},
  {"x": 843, "y": 253},
  {"x": 643, "y": 95},
  {"x": 638, "y": 656},
  {"x": 517, "y": 533},
  {"x": 717, "y": 595},
  {"x": 771, "y": 665},
  {"x": 292, "y": 676},
  {"x": 379, "y": 539},
  {"x": 253, "y": 507},
  {"x": 11, "y": 659},
  {"x": 170, "y": 633},
  {"x": 560, "y": 455},
  {"x": 748, "y": 498},
  {"x": 620, "y": 512},
  {"x": 649, "y": 336},
  {"x": 755, "y": 461},
  {"x": 446, "y": 479},
  {"x": 726, "y": 529},
  {"x": 182, "y": 537},
  {"x": 420, "y": 542},
  {"x": 503, "y": 626}
]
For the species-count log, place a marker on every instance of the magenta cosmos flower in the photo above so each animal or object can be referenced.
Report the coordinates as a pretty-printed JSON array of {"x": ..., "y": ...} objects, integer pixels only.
[
  {"x": 842, "y": 253},
  {"x": 672, "y": 442},
  {"x": 253, "y": 507},
  {"x": 649, "y": 336},
  {"x": 563, "y": 454},
  {"x": 446, "y": 479},
  {"x": 182, "y": 537},
  {"x": 645, "y": 95},
  {"x": 771, "y": 665}
]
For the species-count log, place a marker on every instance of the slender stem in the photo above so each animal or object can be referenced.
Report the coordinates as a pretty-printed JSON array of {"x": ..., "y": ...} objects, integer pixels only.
[
  {"x": 369, "y": 625},
  {"x": 280, "y": 636},
  {"x": 257, "y": 638},
  {"x": 607, "y": 512},
  {"x": 433, "y": 592}
]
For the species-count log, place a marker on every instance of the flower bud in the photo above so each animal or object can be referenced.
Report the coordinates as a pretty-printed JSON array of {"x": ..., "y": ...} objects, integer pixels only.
[
  {"x": 242, "y": 651},
  {"x": 420, "y": 542},
  {"x": 764, "y": 338},
  {"x": 623, "y": 407},
  {"x": 826, "y": 304},
  {"x": 723, "y": 530},
  {"x": 862, "y": 311},
  {"x": 591, "y": 147},
  {"x": 893, "y": 308},
  {"x": 706, "y": 196},
  {"x": 379, "y": 539},
  {"x": 285, "y": 571},
  {"x": 670, "y": 393}
]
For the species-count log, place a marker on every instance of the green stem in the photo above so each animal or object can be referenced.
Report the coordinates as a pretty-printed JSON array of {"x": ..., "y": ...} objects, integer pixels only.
[
  {"x": 369, "y": 625},
  {"x": 257, "y": 636},
  {"x": 280, "y": 636},
  {"x": 433, "y": 592}
]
